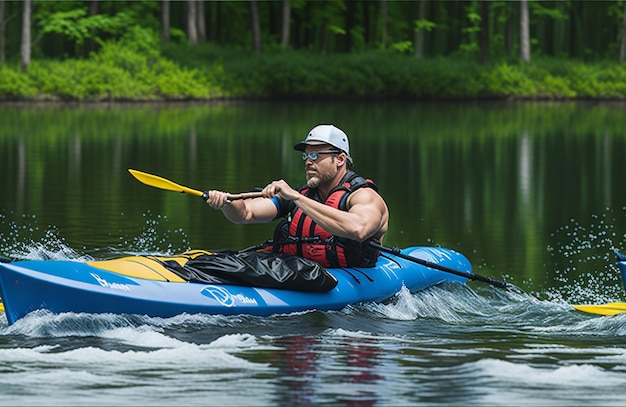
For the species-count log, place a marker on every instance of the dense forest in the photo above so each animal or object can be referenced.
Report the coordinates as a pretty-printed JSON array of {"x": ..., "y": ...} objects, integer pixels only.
[{"x": 200, "y": 49}]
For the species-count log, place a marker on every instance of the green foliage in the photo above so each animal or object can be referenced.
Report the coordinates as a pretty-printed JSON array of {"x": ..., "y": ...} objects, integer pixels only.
[
  {"x": 65, "y": 23},
  {"x": 172, "y": 82},
  {"x": 403, "y": 47},
  {"x": 117, "y": 72},
  {"x": 16, "y": 85},
  {"x": 558, "y": 79},
  {"x": 424, "y": 25},
  {"x": 336, "y": 29},
  {"x": 573, "y": 29},
  {"x": 85, "y": 80},
  {"x": 132, "y": 71},
  {"x": 139, "y": 39},
  {"x": 78, "y": 27},
  {"x": 539, "y": 9},
  {"x": 507, "y": 80},
  {"x": 178, "y": 36}
]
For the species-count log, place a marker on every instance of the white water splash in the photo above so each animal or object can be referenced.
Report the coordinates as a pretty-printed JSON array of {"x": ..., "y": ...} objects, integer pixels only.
[
  {"x": 24, "y": 239},
  {"x": 585, "y": 260}
]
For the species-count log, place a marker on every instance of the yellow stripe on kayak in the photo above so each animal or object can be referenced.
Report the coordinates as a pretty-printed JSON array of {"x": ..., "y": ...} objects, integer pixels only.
[
  {"x": 613, "y": 308},
  {"x": 149, "y": 268},
  {"x": 140, "y": 267}
]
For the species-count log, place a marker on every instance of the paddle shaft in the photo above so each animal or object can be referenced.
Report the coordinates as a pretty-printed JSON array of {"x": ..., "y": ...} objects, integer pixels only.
[
  {"x": 471, "y": 276},
  {"x": 163, "y": 183},
  {"x": 243, "y": 195}
]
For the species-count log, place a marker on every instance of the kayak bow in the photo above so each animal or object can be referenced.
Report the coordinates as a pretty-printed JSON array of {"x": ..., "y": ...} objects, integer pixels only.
[{"x": 612, "y": 308}]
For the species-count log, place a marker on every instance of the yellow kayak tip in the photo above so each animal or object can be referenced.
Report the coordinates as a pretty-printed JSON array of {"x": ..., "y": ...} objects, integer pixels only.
[{"x": 612, "y": 308}]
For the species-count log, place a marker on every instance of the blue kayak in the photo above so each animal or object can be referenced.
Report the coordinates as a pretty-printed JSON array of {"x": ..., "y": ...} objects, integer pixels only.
[{"x": 131, "y": 285}]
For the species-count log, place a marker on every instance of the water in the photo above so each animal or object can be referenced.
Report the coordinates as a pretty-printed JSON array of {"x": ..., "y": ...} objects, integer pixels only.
[
  {"x": 448, "y": 345},
  {"x": 530, "y": 193}
]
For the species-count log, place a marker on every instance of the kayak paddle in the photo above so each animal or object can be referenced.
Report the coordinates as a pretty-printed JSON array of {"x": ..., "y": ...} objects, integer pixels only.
[
  {"x": 162, "y": 183},
  {"x": 467, "y": 274},
  {"x": 613, "y": 308}
]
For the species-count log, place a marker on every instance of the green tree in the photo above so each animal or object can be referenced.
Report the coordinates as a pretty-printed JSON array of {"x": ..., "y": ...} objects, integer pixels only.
[{"x": 481, "y": 30}]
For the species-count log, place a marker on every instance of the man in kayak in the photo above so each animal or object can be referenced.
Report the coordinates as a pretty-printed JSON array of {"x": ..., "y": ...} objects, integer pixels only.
[{"x": 331, "y": 219}]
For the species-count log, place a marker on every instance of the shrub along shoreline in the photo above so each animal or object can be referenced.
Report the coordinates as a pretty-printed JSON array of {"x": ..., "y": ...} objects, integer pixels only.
[{"x": 118, "y": 73}]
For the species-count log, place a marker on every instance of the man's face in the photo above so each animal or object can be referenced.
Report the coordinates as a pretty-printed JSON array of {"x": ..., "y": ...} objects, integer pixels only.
[{"x": 323, "y": 169}]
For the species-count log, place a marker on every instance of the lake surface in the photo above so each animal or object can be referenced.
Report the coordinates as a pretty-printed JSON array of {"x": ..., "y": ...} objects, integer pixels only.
[{"x": 531, "y": 193}]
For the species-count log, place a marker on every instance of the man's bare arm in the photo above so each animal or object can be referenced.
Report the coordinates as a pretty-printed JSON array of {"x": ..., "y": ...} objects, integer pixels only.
[
  {"x": 255, "y": 210},
  {"x": 367, "y": 215}
]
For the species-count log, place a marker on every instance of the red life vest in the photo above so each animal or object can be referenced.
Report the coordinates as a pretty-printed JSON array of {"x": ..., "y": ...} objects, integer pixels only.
[{"x": 300, "y": 235}]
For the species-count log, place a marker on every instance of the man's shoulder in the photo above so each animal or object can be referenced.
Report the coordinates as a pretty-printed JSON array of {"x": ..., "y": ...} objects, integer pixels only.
[
  {"x": 356, "y": 181},
  {"x": 368, "y": 192},
  {"x": 366, "y": 196}
]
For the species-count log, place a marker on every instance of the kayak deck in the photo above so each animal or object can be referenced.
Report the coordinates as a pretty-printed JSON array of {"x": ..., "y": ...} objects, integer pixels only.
[{"x": 96, "y": 287}]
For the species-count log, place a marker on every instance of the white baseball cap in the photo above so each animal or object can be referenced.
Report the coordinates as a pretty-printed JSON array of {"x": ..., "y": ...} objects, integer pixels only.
[{"x": 326, "y": 134}]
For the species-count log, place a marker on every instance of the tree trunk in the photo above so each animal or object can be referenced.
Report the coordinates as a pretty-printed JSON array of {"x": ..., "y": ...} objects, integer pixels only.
[
  {"x": 484, "y": 31},
  {"x": 2, "y": 30},
  {"x": 419, "y": 34},
  {"x": 370, "y": 35},
  {"x": 192, "y": 29},
  {"x": 510, "y": 29},
  {"x": 324, "y": 36},
  {"x": 256, "y": 26},
  {"x": 383, "y": 37},
  {"x": 349, "y": 16},
  {"x": 26, "y": 40},
  {"x": 90, "y": 44},
  {"x": 622, "y": 50},
  {"x": 524, "y": 32},
  {"x": 201, "y": 22},
  {"x": 93, "y": 7},
  {"x": 165, "y": 20},
  {"x": 284, "y": 34}
]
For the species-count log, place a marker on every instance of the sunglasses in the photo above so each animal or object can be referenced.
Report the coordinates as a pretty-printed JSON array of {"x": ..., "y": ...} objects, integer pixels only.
[{"x": 314, "y": 155}]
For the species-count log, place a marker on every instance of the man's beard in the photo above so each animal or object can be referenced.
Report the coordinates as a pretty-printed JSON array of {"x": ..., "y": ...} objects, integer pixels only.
[
  {"x": 313, "y": 182},
  {"x": 321, "y": 178}
]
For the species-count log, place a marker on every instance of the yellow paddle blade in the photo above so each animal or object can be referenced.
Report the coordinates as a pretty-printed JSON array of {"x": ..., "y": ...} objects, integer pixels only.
[
  {"x": 604, "y": 309},
  {"x": 162, "y": 183},
  {"x": 1, "y": 307}
]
